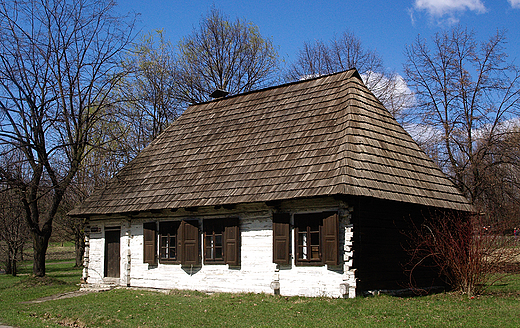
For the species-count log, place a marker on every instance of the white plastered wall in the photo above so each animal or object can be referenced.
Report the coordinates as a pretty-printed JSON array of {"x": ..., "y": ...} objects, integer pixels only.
[{"x": 256, "y": 272}]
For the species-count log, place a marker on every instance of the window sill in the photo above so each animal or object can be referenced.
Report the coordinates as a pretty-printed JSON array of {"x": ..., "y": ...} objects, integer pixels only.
[
  {"x": 214, "y": 263},
  {"x": 302, "y": 264},
  {"x": 169, "y": 262}
]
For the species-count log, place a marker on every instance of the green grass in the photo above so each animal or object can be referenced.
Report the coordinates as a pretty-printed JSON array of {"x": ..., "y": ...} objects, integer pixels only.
[
  {"x": 500, "y": 307},
  {"x": 61, "y": 277},
  {"x": 130, "y": 308}
]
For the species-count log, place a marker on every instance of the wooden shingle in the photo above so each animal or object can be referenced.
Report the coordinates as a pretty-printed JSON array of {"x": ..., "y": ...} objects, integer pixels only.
[{"x": 320, "y": 137}]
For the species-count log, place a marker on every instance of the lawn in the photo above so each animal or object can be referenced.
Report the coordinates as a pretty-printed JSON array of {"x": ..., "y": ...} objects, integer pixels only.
[{"x": 500, "y": 307}]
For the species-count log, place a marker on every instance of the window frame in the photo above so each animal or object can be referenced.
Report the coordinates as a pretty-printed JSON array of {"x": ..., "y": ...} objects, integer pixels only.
[
  {"x": 311, "y": 224},
  {"x": 169, "y": 229},
  {"x": 213, "y": 247},
  {"x": 309, "y": 245},
  {"x": 228, "y": 230}
]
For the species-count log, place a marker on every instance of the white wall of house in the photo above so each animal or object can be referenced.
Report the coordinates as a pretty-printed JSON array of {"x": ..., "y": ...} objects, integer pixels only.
[{"x": 256, "y": 272}]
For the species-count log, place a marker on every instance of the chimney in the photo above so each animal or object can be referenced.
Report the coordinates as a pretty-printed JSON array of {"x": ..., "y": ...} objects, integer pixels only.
[{"x": 219, "y": 94}]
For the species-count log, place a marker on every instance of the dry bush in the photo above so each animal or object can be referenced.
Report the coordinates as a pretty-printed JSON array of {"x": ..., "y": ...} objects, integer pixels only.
[{"x": 470, "y": 256}]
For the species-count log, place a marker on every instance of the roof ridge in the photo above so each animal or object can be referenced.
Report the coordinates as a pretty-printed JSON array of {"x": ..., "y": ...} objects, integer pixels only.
[{"x": 352, "y": 72}]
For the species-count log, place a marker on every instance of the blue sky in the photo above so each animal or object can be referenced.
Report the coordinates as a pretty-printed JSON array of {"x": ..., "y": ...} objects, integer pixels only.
[{"x": 385, "y": 26}]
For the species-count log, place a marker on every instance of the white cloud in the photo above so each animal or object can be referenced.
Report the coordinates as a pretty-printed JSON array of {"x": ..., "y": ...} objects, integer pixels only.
[
  {"x": 515, "y": 3},
  {"x": 439, "y": 8},
  {"x": 391, "y": 90},
  {"x": 423, "y": 133}
]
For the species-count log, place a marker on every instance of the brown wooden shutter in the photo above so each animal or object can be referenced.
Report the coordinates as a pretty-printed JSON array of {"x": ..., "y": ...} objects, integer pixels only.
[
  {"x": 189, "y": 243},
  {"x": 331, "y": 240},
  {"x": 232, "y": 243},
  {"x": 150, "y": 248},
  {"x": 281, "y": 238}
]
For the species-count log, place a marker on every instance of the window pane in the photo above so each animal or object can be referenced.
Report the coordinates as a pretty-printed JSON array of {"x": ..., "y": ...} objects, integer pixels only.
[
  {"x": 164, "y": 241},
  {"x": 209, "y": 240},
  {"x": 315, "y": 253},
  {"x": 163, "y": 247},
  {"x": 315, "y": 238},
  {"x": 218, "y": 253},
  {"x": 210, "y": 244},
  {"x": 302, "y": 238},
  {"x": 218, "y": 239},
  {"x": 172, "y": 253}
]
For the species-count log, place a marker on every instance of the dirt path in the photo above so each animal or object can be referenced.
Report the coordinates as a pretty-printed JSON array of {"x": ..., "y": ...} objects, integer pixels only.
[{"x": 61, "y": 296}]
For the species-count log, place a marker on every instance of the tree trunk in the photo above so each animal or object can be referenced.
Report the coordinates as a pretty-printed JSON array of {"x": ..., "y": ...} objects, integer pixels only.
[
  {"x": 40, "y": 244},
  {"x": 14, "y": 269},
  {"x": 8, "y": 267},
  {"x": 79, "y": 245},
  {"x": 22, "y": 246}
]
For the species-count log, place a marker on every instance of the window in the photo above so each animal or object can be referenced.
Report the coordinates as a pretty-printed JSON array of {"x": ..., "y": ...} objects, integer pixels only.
[
  {"x": 222, "y": 241},
  {"x": 316, "y": 238},
  {"x": 168, "y": 241},
  {"x": 307, "y": 234},
  {"x": 308, "y": 231},
  {"x": 178, "y": 242},
  {"x": 213, "y": 245}
]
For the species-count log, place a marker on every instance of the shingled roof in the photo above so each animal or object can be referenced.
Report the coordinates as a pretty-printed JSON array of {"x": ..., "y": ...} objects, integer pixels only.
[{"x": 319, "y": 137}]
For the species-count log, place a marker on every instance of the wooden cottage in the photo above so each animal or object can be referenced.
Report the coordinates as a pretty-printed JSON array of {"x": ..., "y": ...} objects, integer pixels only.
[{"x": 299, "y": 189}]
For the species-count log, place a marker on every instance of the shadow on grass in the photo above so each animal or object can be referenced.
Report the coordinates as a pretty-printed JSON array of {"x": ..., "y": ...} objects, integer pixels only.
[
  {"x": 31, "y": 281},
  {"x": 52, "y": 268},
  {"x": 61, "y": 268}
]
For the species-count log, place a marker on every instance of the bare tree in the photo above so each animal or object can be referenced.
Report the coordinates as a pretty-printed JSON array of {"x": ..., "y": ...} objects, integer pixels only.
[
  {"x": 347, "y": 52},
  {"x": 14, "y": 233},
  {"x": 58, "y": 61},
  {"x": 224, "y": 55},
  {"x": 71, "y": 228},
  {"x": 466, "y": 93},
  {"x": 148, "y": 91},
  {"x": 468, "y": 96},
  {"x": 500, "y": 198},
  {"x": 341, "y": 53},
  {"x": 98, "y": 166}
]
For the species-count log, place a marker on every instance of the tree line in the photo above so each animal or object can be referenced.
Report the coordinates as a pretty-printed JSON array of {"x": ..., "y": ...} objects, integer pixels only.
[{"x": 81, "y": 93}]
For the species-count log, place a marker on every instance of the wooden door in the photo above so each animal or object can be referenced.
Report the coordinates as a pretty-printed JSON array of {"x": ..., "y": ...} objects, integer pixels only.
[{"x": 112, "y": 253}]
